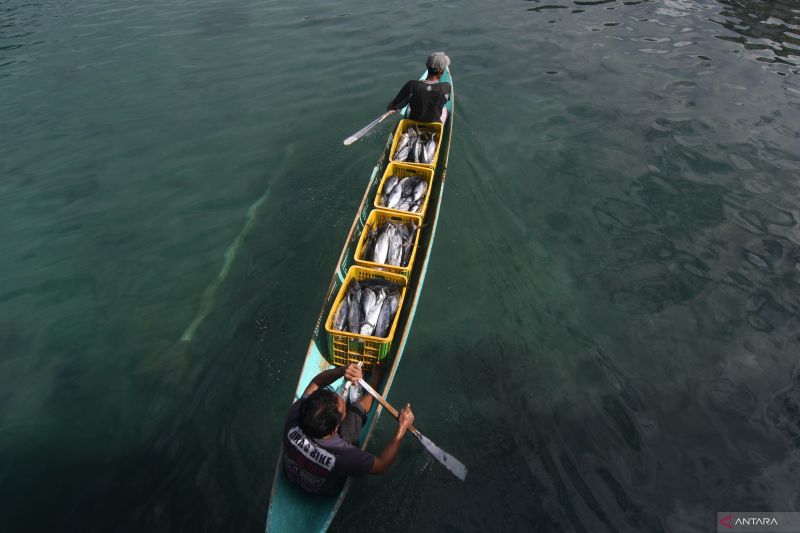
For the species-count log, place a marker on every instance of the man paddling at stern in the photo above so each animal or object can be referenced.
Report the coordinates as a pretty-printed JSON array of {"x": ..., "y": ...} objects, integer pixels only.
[
  {"x": 322, "y": 430},
  {"x": 427, "y": 97}
]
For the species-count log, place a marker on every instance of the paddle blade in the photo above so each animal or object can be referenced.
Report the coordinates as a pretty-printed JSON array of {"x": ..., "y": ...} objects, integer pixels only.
[
  {"x": 350, "y": 140},
  {"x": 455, "y": 466}
]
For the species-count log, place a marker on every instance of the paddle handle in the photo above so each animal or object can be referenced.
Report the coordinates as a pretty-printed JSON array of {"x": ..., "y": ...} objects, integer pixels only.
[
  {"x": 366, "y": 129},
  {"x": 386, "y": 405}
]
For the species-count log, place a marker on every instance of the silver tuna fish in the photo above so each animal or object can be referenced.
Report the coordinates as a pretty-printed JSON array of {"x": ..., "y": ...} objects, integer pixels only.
[
  {"x": 395, "y": 255},
  {"x": 403, "y": 149},
  {"x": 430, "y": 149},
  {"x": 395, "y": 196},
  {"x": 384, "y": 318},
  {"x": 354, "y": 308},
  {"x": 340, "y": 316},
  {"x": 381, "y": 248},
  {"x": 391, "y": 181},
  {"x": 394, "y": 302},
  {"x": 368, "y": 298},
  {"x": 419, "y": 190},
  {"x": 371, "y": 316},
  {"x": 418, "y": 151}
]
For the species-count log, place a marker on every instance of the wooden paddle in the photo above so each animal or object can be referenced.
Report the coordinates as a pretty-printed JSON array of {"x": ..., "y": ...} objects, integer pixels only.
[
  {"x": 451, "y": 463},
  {"x": 366, "y": 129}
]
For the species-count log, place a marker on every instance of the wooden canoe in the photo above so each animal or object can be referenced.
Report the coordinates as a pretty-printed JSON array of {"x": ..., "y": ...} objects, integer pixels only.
[{"x": 291, "y": 509}]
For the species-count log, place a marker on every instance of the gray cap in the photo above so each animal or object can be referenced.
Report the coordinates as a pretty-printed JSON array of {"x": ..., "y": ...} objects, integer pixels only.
[{"x": 438, "y": 61}]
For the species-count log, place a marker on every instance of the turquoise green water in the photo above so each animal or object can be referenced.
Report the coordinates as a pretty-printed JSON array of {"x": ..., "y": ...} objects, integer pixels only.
[{"x": 608, "y": 336}]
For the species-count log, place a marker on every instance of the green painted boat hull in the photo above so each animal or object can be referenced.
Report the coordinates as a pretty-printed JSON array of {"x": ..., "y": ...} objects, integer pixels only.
[{"x": 291, "y": 509}]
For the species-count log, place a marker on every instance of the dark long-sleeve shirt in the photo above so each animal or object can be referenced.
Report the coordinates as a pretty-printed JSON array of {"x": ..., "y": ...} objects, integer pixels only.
[{"x": 426, "y": 100}]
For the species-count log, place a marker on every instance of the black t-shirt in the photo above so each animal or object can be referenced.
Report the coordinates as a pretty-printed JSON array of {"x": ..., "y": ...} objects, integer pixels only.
[
  {"x": 426, "y": 100},
  {"x": 320, "y": 466}
]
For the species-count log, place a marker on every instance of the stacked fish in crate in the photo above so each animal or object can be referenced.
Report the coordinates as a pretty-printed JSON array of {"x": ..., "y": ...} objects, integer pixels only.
[
  {"x": 364, "y": 315},
  {"x": 368, "y": 301}
]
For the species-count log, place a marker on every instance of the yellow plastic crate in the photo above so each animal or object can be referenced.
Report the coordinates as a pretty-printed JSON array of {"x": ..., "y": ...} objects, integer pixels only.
[
  {"x": 402, "y": 170},
  {"x": 426, "y": 127},
  {"x": 345, "y": 347},
  {"x": 375, "y": 219}
]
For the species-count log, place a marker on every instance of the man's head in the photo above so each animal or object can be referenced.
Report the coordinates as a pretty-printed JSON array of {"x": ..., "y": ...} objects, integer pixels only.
[
  {"x": 437, "y": 62},
  {"x": 321, "y": 413}
]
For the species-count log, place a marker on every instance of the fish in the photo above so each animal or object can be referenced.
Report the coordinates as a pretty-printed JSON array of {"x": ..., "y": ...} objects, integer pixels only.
[
  {"x": 402, "y": 155},
  {"x": 384, "y": 318},
  {"x": 396, "y": 195},
  {"x": 368, "y": 298},
  {"x": 404, "y": 184},
  {"x": 407, "y": 194},
  {"x": 371, "y": 317},
  {"x": 340, "y": 316},
  {"x": 368, "y": 307},
  {"x": 413, "y": 134},
  {"x": 404, "y": 148},
  {"x": 418, "y": 151},
  {"x": 392, "y": 244},
  {"x": 394, "y": 302},
  {"x": 408, "y": 246},
  {"x": 419, "y": 190},
  {"x": 391, "y": 181},
  {"x": 381, "y": 248},
  {"x": 369, "y": 243},
  {"x": 354, "y": 393},
  {"x": 399, "y": 191},
  {"x": 395, "y": 249},
  {"x": 404, "y": 139},
  {"x": 430, "y": 149},
  {"x": 354, "y": 308},
  {"x": 404, "y": 205},
  {"x": 405, "y": 229}
]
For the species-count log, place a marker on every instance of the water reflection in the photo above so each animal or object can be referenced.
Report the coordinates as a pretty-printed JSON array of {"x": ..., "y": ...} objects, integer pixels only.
[{"x": 770, "y": 26}]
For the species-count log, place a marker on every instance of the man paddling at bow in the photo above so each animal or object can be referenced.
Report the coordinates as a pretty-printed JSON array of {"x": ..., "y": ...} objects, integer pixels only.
[
  {"x": 322, "y": 430},
  {"x": 427, "y": 98}
]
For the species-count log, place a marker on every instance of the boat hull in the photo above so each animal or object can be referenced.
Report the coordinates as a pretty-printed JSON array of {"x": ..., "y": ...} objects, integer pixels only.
[{"x": 292, "y": 509}]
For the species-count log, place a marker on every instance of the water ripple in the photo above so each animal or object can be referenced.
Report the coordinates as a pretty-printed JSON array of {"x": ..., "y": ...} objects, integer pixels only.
[{"x": 613, "y": 294}]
